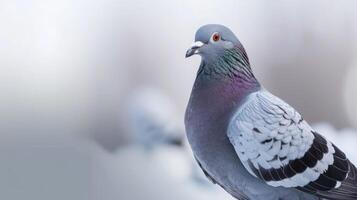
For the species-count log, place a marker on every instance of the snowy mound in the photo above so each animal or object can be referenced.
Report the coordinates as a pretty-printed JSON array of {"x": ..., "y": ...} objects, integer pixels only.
[
  {"x": 159, "y": 174},
  {"x": 152, "y": 118}
]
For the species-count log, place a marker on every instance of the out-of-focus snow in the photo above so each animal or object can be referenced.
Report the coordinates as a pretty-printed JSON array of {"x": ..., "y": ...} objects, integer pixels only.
[
  {"x": 349, "y": 93},
  {"x": 154, "y": 121},
  {"x": 153, "y": 118},
  {"x": 345, "y": 139},
  {"x": 159, "y": 174}
]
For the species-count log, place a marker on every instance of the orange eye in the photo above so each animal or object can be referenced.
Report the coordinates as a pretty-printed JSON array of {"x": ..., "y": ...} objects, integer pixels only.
[{"x": 216, "y": 37}]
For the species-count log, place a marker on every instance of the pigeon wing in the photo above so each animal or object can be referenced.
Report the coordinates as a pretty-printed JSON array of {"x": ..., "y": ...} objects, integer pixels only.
[{"x": 276, "y": 145}]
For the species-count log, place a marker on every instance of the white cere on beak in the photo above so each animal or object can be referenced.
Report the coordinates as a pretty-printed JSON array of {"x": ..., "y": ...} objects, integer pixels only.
[
  {"x": 197, "y": 45},
  {"x": 194, "y": 49}
]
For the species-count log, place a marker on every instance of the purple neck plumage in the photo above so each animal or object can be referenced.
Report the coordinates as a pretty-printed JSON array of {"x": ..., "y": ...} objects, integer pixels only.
[
  {"x": 219, "y": 89},
  {"x": 229, "y": 73}
]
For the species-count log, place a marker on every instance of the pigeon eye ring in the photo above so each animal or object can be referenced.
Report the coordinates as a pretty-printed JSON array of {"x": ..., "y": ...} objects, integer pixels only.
[{"x": 216, "y": 37}]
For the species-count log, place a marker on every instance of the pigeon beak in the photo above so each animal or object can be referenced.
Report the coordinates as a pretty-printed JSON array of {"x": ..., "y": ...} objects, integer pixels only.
[{"x": 194, "y": 49}]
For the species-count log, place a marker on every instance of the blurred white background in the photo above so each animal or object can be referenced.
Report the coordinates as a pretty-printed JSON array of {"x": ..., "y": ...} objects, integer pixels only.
[{"x": 67, "y": 69}]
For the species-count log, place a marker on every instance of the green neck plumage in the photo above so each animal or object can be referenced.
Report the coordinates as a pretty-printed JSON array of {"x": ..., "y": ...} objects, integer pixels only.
[{"x": 233, "y": 64}]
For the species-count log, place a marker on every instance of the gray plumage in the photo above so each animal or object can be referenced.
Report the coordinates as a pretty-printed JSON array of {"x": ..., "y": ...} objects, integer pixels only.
[{"x": 250, "y": 142}]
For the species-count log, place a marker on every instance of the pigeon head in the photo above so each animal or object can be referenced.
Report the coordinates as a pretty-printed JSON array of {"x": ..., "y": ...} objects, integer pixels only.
[
  {"x": 212, "y": 40},
  {"x": 221, "y": 52}
]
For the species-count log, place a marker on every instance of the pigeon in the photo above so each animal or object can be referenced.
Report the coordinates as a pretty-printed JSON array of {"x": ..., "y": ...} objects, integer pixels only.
[{"x": 250, "y": 142}]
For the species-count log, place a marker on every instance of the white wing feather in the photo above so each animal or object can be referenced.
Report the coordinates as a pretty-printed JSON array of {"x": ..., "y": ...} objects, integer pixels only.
[{"x": 267, "y": 134}]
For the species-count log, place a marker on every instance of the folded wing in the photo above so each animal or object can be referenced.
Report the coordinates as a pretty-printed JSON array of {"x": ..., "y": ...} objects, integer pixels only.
[{"x": 276, "y": 144}]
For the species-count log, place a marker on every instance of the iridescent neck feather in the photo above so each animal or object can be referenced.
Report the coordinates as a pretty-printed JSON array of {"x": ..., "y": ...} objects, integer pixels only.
[{"x": 232, "y": 66}]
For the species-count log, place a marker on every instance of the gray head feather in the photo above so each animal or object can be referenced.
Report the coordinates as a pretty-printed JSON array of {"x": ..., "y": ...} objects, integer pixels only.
[
  {"x": 222, "y": 53},
  {"x": 204, "y": 33}
]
